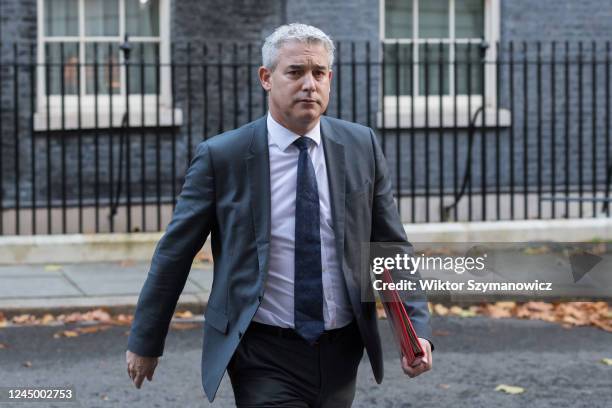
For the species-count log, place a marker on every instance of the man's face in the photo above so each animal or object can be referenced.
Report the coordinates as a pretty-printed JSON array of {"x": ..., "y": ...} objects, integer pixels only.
[{"x": 299, "y": 86}]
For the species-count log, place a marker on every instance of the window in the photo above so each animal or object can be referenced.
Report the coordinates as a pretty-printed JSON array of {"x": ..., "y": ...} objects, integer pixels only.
[
  {"x": 433, "y": 52},
  {"x": 80, "y": 58}
]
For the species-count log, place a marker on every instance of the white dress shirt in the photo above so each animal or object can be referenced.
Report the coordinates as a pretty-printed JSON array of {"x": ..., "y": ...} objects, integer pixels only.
[{"x": 277, "y": 306}]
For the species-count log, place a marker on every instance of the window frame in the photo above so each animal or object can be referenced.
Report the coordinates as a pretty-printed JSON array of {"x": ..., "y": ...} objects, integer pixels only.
[
  {"x": 491, "y": 32},
  {"x": 69, "y": 117}
]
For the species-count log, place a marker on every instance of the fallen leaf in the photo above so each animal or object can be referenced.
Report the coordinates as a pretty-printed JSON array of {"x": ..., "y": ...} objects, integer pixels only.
[
  {"x": 73, "y": 318},
  {"x": 602, "y": 324},
  {"x": 538, "y": 306},
  {"x": 99, "y": 315},
  {"x": 440, "y": 310},
  {"x": 510, "y": 389},
  {"x": 27, "y": 364},
  {"x": 186, "y": 314},
  {"x": 440, "y": 333},
  {"x": 123, "y": 319},
  {"x": 47, "y": 318},
  {"x": 92, "y": 329},
  {"x": 127, "y": 263},
  {"x": 499, "y": 310},
  {"x": 66, "y": 333},
  {"x": 568, "y": 314},
  {"x": 599, "y": 249},
  {"x": 455, "y": 310},
  {"x": 24, "y": 319},
  {"x": 53, "y": 268},
  {"x": 380, "y": 310},
  {"x": 199, "y": 265},
  {"x": 82, "y": 330},
  {"x": 203, "y": 256},
  {"x": 606, "y": 361},
  {"x": 444, "y": 386},
  {"x": 3, "y": 346},
  {"x": 536, "y": 250},
  {"x": 468, "y": 313},
  {"x": 184, "y": 326}
]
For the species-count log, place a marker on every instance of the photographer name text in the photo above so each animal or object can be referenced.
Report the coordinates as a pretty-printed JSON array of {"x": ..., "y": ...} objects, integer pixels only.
[{"x": 471, "y": 285}]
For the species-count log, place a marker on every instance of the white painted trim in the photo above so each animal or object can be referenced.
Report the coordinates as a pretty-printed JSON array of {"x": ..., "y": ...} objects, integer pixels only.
[
  {"x": 572, "y": 230},
  {"x": 492, "y": 30},
  {"x": 415, "y": 50},
  {"x": 137, "y": 117},
  {"x": 422, "y": 41},
  {"x": 451, "y": 50},
  {"x": 122, "y": 70},
  {"x": 433, "y": 114},
  {"x": 112, "y": 39},
  {"x": 57, "y": 248},
  {"x": 164, "y": 52},
  {"x": 87, "y": 101},
  {"x": 492, "y": 23},
  {"x": 40, "y": 56},
  {"x": 381, "y": 16}
]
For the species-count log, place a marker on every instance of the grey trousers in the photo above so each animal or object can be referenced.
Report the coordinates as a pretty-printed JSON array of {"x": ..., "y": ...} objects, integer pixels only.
[{"x": 275, "y": 368}]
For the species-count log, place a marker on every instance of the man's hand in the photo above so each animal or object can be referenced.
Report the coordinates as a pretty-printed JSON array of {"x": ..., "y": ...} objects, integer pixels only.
[
  {"x": 139, "y": 367},
  {"x": 420, "y": 364}
]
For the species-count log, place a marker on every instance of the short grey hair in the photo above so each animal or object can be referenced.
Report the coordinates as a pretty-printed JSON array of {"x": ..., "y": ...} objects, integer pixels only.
[{"x": 294, "y": 32}]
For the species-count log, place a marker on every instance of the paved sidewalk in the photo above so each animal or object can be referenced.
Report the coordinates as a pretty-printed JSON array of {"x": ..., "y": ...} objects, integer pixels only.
[{"x": 79, "y": 286}]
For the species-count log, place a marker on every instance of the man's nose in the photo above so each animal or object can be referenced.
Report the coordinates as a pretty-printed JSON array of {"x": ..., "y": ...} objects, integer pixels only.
[{"x": 308, "y": 82}]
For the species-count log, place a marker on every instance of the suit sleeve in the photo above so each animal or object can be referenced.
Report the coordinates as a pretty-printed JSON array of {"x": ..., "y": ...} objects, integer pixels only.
[
  {"x": 387, "y": 227},
  {"x": 173, "y": 256}
]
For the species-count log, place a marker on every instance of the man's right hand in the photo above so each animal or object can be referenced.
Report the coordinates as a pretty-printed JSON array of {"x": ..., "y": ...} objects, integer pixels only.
[{"x": 139, "y": 367}]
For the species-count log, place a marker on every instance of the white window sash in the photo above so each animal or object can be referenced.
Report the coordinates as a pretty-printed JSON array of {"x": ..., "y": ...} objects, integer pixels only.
[
  {"x": 491, "y": 36},
  {"x": 87, "y": 100}
]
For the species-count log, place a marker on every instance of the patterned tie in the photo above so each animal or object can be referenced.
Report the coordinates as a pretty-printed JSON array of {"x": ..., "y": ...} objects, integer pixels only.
[{"x": 308, "y": 285}]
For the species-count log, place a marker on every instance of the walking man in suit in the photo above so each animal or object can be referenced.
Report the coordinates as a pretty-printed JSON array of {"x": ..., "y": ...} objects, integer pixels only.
[{"x": 288, "y": 201}]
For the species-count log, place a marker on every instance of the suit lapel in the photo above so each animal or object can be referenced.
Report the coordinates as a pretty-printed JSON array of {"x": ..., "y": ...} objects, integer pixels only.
[
  {"x": 336, "y": 173},
  {"x": 258, "y": 174},
  {"x": 335, "y": 161}
]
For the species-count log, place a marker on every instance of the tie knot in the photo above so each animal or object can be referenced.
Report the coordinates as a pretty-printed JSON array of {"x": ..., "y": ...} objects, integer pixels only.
[{"x": 302, "y": 143}]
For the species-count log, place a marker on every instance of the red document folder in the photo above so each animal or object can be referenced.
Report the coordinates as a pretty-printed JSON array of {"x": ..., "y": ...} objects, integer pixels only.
[{"x": 401, "y": 326}]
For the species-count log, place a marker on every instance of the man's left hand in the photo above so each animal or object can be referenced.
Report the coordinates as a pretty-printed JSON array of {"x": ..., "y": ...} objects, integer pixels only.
[{"x": 420, "y": 364}]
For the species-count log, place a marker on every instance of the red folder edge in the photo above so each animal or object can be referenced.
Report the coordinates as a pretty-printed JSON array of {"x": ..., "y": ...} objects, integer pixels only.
[{"x": 406, "y": 338}]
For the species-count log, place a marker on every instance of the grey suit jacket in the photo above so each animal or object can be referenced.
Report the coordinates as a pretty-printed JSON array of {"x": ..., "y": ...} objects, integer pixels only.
[{"x": 226, "y": 194}]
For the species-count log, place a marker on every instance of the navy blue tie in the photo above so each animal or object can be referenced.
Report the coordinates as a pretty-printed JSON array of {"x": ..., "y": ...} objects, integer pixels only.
[{"x": 308, "y": 285}]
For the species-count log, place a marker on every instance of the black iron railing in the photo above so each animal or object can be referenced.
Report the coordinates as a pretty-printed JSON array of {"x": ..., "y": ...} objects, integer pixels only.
[{"x": 97, "y": 137}]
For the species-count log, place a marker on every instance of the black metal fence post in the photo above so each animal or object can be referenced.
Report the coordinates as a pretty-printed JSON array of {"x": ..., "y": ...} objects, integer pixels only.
[{"x": 466, "y": 137}]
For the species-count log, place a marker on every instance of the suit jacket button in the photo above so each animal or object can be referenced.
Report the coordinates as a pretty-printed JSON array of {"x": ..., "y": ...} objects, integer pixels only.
[
  {"x": 239, "y": 334},
  {"x": 260, "y": 298}
]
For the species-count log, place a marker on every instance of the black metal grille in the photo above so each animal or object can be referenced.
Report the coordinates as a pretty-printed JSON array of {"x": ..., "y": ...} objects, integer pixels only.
[{"x": 470, "y": 131}]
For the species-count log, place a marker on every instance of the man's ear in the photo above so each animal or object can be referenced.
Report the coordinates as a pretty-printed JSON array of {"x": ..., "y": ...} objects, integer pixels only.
[{"x": 264, "y": 78}]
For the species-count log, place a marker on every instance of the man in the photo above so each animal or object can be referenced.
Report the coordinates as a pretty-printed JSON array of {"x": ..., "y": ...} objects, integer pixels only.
[{"x": 288, "y": 200}]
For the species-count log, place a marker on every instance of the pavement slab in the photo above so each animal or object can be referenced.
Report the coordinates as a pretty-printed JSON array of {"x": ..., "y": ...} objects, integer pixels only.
[{"x": 64, "y": 287}]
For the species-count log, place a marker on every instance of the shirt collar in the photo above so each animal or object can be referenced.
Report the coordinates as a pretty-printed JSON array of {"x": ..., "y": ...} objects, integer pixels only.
[{"x": 283, "y": 137}]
